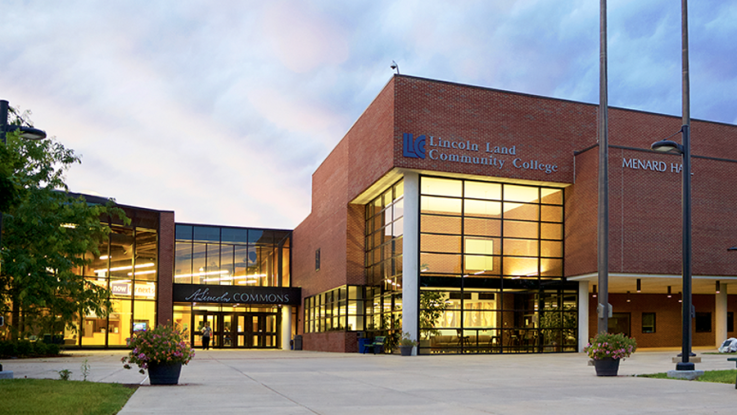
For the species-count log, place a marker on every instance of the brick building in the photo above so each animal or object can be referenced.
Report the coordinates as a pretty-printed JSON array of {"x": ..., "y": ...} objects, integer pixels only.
[
  {"x": 467, "y": 217},
  {"x": 463, "y": 216}
]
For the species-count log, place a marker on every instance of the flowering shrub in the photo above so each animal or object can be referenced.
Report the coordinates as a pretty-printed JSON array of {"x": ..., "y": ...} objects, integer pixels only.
[
  {"x": 606, "y": 345},
  {"x": 164, "y": 344}
]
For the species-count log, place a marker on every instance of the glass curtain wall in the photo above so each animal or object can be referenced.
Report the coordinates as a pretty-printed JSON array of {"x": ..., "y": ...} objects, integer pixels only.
[
  {"x": 232, "y": 256},
  {"x": 215, "y": 255},
  {"x": 384, "y": 230},
  {"x": 491, "y": 269},
  {"x": 127, "y": 266},
  {"x": 341, "y": 309}
]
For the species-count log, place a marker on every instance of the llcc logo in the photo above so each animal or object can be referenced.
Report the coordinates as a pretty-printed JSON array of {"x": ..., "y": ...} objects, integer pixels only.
[{"x": 413, "y": 148}]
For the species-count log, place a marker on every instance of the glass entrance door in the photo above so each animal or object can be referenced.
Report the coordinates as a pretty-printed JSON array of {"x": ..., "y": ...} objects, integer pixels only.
[
  {"x": 200, "y": 318},
  {"x": 236, "y": 330},
  {"x": 263, "y": 328}
]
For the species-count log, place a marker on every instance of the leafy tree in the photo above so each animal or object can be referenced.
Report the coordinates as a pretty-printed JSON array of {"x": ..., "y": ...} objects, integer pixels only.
[
  {"x": 432, "y": 308},
  {"x": 47, "y": 238}
]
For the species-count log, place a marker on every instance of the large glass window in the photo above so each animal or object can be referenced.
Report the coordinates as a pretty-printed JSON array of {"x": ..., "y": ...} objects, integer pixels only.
[
  {"x": 491, "y": 269},
  {"x": 384, "y": 238},
  {"x": 339, "y": 309},
  {"x": 232, "y": 256},
  {"x": 128, "y": 267}
]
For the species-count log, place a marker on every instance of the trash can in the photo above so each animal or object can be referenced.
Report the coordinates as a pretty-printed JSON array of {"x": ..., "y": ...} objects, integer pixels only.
[
  {"x": 298, "y": 342},
  {"x": 362, "y": 344}
]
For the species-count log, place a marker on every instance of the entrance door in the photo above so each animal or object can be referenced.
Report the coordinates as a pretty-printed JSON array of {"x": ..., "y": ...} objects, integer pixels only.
[
  {"x": 263, "y": 330},
  {"x": 230, "y": 330},
  {"x": 200, "y": 318}
]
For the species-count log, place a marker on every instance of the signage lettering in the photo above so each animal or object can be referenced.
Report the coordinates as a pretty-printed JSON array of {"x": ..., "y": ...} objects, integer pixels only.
[
  {"x": 452, "y": 150},
  {"x": 236, "y": 295},
  {"x": 653, "y": 165},
  {"x": 414, "y": 148}
]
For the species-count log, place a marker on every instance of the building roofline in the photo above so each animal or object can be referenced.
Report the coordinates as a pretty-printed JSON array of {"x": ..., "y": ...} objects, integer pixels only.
[{"x": 524, "y": 94}]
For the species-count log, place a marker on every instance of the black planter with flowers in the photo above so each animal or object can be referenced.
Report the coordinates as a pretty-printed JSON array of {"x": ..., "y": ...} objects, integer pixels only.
[
  {"x": 164, "y": 373},
  {"x": 606, "y": 367},
  {"x": 607, "y": 350},
  {"x": 162, "y": 351}
]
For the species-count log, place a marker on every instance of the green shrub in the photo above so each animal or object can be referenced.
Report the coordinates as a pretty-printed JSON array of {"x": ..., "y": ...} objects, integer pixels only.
[
  {"x": 40, "y": 349},
  {"x": 24, "y": 348},
  {"x": 7, "y": 349},
  {"x": 52, "y": 349}
]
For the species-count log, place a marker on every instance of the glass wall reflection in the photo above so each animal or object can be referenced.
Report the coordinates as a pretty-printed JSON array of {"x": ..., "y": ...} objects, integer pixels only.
[
  {"x": 491, "y": 269},
  {"x": 232, "y": 256},
  {"x": 128, "y": 267}
]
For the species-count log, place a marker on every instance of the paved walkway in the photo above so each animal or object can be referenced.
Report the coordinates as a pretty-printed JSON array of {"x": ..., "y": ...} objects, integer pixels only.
[{"x": 302, "y": 382}]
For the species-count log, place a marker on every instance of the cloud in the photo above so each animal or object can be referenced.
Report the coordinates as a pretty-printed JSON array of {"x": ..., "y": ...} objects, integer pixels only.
[
  {"x": 303, "y": 39},
  {"x": 222, "y": 113}
]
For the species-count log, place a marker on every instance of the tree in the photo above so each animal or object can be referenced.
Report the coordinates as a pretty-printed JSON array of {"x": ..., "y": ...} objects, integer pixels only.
[
  {"x": 432, "y": 308},
  {"x": 47, "y": 238}
]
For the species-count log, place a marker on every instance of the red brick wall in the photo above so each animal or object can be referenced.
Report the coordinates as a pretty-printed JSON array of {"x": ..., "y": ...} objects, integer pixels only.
[
  {"x": 668, "y": 321},
  {"x": 645, "y": 206},
  {"x": 331, "y": 341},
  {"x": 581, "y": 213},
  {"x": 543, "y": 129},
  {"x": 165, "y": 305},
  {"x": 334, "y": 226}
]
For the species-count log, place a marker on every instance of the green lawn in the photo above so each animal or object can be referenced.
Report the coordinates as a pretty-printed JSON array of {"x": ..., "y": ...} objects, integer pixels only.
[
  {"x": 47, "y": 396},
  {"x": 716, "y": 376}
]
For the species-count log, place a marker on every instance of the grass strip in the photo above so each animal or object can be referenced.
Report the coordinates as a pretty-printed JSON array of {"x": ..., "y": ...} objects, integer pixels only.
[
  {"x": 715, "y": 376},
  {"x": 48, "y": 396}
]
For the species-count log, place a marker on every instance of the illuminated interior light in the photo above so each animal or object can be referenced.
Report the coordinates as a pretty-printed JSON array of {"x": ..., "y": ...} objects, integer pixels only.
[
  {"x": 153, "y": 271},
  {"x": 68, "y": 225},
  {"x": 127, "y": 267},
  {"x": 105, "y": 257},
  {"x": 199, "y": 274}
]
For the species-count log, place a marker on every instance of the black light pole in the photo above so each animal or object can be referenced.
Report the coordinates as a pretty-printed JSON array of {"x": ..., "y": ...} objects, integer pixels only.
[
  {"x": 27, "y": 133},
  {"x": 685, "y": 150}
]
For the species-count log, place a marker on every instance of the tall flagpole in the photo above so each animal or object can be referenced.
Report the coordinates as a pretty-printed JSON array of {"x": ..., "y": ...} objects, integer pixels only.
[{"x": 603, "y": 211}]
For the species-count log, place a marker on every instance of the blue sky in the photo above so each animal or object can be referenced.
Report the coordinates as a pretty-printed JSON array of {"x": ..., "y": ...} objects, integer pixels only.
[{"x": 221, "y": 110}]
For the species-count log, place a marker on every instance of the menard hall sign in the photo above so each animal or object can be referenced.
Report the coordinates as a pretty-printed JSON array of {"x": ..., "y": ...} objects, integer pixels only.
[{"x": 233, "y": 294}]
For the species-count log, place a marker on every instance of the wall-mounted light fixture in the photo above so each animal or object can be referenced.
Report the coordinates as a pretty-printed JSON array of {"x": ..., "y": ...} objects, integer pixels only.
[
  {"x": 719, "y": 287},
  {"x": 669, "y": 295},
  {"x": 639, "y": 285},
  {"x": 628, "y": 296},
  {"x": 594, "y": 290}
]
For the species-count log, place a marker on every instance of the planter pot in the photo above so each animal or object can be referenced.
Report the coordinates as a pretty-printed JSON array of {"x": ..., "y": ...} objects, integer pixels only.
[
  {"x": 406, "y": 350},
  {"x": 164, "y": 373},
  {"x": 606, "y": 367}
]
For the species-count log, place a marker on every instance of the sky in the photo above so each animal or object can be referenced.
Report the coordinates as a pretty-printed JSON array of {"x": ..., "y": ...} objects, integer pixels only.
[{"x": 222, "y": 110}]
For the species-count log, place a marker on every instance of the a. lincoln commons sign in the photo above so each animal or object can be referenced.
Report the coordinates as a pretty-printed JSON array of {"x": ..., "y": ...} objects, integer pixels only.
[{"x": 233, "y": 294}]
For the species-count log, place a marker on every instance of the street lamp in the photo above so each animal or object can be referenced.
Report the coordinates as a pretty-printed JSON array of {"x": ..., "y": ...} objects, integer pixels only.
[
  {"x": 668, "y": 146},
  {"x": 684, "y": 149},
  {"x": 28, "y": 133}
]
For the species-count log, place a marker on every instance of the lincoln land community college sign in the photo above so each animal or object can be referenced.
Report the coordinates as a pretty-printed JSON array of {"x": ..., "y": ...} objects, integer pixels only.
[
  {"x": 463, "y": 151},
  {"x": 233, "y": 294}
]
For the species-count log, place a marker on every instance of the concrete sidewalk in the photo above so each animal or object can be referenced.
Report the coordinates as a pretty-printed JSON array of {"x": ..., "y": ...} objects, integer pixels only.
[{"x": 302, "y": 382}]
